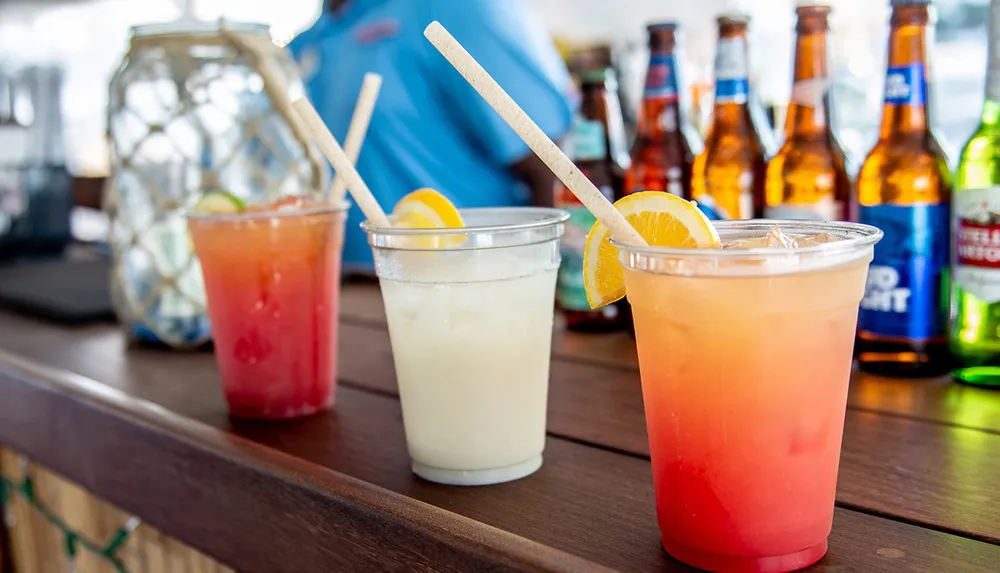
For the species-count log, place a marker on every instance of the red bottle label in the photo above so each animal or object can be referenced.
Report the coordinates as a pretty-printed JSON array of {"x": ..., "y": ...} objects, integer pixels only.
[{"x": 978, "y": 243}]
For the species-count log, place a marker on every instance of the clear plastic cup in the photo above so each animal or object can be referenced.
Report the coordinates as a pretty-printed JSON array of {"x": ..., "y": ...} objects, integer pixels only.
[
  {"x": 470, "y": 320},
  {"x": 745, "y": 357},
  {"x": 272, "y": 281}
]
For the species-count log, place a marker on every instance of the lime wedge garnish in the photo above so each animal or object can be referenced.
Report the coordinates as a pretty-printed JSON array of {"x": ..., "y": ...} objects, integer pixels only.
[{"x": 219, "y": 203}]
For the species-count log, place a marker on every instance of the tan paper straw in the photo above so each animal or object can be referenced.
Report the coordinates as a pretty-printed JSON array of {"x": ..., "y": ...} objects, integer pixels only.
[
  {"x": 328, "y": 144},
  {"x": 276, "y": 87},
  {"x": 358, "y": 129},
  {"x": 533, "y": 135}
]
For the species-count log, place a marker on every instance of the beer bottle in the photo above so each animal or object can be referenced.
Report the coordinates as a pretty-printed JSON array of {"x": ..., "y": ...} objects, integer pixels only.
[
  {"x": 665, "y": 145},
  {"x": 975, "y": 287},
  {"x": 807, "y": 178},
  {"x": 904, "y": 188},
  {"x": 597, "y": 146},
  {"x": 728, "y": 175}
]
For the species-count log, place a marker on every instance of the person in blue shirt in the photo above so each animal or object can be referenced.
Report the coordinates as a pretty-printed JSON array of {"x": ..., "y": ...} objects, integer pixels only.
[{"x": 430, "y": 128}]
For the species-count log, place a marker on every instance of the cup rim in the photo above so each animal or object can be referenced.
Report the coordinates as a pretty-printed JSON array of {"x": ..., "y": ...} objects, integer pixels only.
[
  {"x": 552, "y": 216},
  {"x": 861, "y": 236},
  {"x": 322, "y": 209}
]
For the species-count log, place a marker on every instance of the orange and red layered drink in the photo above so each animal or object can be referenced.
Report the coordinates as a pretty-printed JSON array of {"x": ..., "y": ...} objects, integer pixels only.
[
  {"x": 745, "y": 332},
  {"x": 272, "y": 276}
]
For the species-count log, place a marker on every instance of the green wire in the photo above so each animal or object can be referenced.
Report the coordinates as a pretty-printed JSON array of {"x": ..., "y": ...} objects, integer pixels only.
[{"x": 72, "y": 539}]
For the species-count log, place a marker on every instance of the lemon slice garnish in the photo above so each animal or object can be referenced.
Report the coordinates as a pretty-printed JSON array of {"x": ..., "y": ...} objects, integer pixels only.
[
  {"x": 427, "y": 209},
  {"x": 664, "y": 220}
]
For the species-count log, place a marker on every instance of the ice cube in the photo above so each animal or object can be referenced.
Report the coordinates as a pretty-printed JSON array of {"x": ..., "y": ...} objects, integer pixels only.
[
  {"x": 818, "y": 239},
  {"x": 755, "y": 243},
  {"x": 291, "y": 203},
  {"x": 775, "y": 238}
]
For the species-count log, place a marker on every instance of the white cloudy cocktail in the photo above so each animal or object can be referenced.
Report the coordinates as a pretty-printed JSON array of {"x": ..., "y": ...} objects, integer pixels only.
[{"x": 470, "y": 320}]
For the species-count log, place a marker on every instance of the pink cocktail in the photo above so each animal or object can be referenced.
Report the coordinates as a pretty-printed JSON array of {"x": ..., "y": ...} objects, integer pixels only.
[
  {"x": 745, "y": 356},
  {"x": 272, "y": 280}
]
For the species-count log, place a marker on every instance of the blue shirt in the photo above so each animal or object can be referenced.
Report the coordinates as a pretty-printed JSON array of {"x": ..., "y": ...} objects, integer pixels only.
[{"x": 430, "y": 128}]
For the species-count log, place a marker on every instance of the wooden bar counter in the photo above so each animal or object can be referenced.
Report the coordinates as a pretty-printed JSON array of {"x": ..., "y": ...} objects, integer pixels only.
[{"x": 136, "y": 440}]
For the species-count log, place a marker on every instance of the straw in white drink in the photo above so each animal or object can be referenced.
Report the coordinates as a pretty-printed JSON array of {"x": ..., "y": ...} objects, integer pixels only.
[
  {"x": 341, "y": 163},
  {"x": 532, "y": 135},
  {"x": 358, "y": 129}
]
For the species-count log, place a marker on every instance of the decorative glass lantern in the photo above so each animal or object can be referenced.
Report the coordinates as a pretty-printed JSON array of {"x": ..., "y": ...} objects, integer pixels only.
[{"x": 191, "y": 112}]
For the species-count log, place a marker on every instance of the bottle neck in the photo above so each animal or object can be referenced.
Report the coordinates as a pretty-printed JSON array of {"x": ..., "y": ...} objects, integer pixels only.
[
  {"x": 732, "y": 117},
  {"x": 732, "y": 78},
  {"x": 906, "y": 95},
  {"x": 731, "y": 112},
  {"x": 601, "y": 104},
  {"x": 809, "y": 110},
  {"x": 991, "y": 106},
  {"x": 660, "y": 112},
  {"x": 592, "y": 104}
]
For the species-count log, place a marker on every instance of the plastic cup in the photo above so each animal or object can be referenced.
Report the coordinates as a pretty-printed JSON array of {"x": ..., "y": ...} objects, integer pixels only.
[
  {"x": 470, "y": 321},
  {"x": 745, "y": 357},
  {"x": 272, "y": 280}
]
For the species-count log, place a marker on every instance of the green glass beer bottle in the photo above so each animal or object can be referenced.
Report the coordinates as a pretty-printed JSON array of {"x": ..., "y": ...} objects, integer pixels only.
[{"x": 975, "y": 289}]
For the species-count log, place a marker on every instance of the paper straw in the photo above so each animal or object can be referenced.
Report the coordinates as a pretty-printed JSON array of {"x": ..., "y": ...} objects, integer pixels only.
[
  {"x": 276, "y": 87},
  {"x": 544, "y": 148},
  {"x": 328, "y": 144},
  {"x": 357, "y": 131}
]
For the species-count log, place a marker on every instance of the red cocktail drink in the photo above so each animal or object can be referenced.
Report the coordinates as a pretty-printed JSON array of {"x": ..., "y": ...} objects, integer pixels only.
[
  {"x": 272, "y": 278},
  {"x": 745, "y": 357}
]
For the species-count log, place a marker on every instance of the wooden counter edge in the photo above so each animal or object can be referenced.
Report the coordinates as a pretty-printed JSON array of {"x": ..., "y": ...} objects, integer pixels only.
[{"x": 251, "y": 507}]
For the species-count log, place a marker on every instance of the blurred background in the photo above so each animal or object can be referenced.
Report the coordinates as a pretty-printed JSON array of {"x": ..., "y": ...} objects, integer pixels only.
[
  {"x": 192, "y": 112},
  {"x": 77, "y": 45}
]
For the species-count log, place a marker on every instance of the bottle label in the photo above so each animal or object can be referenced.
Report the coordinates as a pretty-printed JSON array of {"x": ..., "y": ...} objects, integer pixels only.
[
  {"x": 587, "y": 140},
  {"x": 824, "y": 210},
  {"x": 731, "y": 77},
  {"x": 661, "y": 78},
  {"x": 570, "y": 291},
  {"x": 903, "y": 293},
  {"x": 906, "y": 85},
  {"x": 977, "y": 242}
]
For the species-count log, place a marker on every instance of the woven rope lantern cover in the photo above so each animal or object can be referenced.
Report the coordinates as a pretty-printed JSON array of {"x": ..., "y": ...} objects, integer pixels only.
[{"x": 194, "y": 107}]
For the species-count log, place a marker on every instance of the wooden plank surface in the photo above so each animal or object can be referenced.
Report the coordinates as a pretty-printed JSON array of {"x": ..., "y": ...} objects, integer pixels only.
[
  {"x": 928, "y": 473},
  {"x": 931, "y": 461},
  {"x": 592, "y": 503},
  {"x": 589, "y": 502},
  {"x": 252, "y": 507},
  {"x": 938, "y": 400}
]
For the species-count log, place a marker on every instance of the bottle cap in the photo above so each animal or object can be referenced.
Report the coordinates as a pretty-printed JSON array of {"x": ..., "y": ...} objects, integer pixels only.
[
  {"x": 733, "y": 18},
  {"x": 662, "y": 26},
  {"x": 809, "y": 9}
]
